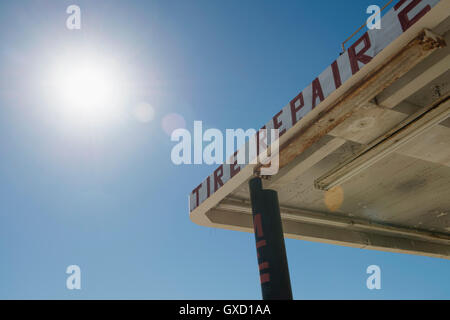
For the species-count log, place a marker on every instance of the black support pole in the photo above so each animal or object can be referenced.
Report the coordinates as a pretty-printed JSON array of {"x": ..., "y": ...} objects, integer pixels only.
[{"x": 272, "y": 260}]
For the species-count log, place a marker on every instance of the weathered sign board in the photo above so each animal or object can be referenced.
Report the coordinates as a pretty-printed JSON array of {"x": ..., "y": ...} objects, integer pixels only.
[{"x": 352, "y": 131}]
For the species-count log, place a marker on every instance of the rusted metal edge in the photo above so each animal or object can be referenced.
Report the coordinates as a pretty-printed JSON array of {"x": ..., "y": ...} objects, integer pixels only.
[{"x": 359, "y": 94}]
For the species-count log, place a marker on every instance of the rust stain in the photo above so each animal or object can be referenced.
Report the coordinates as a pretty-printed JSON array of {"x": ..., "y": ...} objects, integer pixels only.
[{"x": 354, "y": 99}]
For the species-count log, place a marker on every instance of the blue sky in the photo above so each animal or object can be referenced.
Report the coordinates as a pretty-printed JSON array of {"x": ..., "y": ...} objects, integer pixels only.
[{"x": 111, "y": 201}]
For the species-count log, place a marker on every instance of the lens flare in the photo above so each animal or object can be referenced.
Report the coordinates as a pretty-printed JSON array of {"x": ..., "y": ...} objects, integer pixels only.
[
  {"x": 171, "y": 122},
  {"x": 144, "y": 112},
  {"x": 334, "y": 198}
]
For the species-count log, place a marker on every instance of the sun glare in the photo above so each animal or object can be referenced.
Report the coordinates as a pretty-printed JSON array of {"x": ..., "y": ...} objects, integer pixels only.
[{"x": 87, "y": 91}]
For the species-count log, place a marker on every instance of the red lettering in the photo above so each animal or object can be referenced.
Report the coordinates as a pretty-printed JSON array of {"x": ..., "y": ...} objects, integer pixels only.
[
  {"x": 405, "y": 22},
  {"x": 265, "y": 277},
  {"x": 295, "y": 109},
  {"x": 336, "y": 74},
  {"x": 218, "y": 178},
  {"x": 264, "y": 265},
  {"x": 233, "y": 169},
  {"x": 257, "y": 225},
  {"x": 277, "y": 123},
  {"x": 360, "y": 56},
  {"x": 317, "y": 92},
  {"x": 195, "y": 192},
  {"x": 260, "y": 244},
  {"x": 208, "y": 186}
]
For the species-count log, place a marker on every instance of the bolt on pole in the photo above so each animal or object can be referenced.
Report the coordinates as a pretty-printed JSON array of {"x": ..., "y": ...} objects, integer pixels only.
[{"x": 272, "y": 259}]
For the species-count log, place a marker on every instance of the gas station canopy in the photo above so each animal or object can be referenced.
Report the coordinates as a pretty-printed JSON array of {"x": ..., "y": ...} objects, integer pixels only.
[{"x": 364, "y": 156}]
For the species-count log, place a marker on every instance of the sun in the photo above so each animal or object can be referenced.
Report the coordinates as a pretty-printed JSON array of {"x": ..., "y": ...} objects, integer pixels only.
[
  {"x": 86, "y": 90},
  {"x": 86, "y": 87}
]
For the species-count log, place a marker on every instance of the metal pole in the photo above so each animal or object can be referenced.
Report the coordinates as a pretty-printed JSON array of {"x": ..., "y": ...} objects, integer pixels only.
[{"x": 272, "y": 260}]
